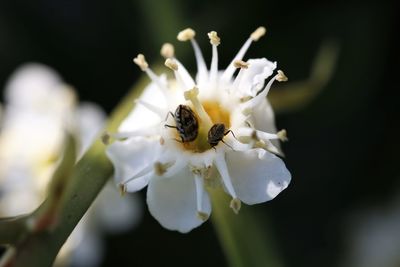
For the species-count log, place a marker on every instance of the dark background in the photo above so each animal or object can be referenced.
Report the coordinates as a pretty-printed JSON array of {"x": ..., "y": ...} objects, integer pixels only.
[{"x": 343, "y": 149}]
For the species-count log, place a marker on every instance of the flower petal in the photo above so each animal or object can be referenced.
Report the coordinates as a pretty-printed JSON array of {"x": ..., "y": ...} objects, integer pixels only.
[
  {"x": 252, "y": 79},
  {"x": 257, "y": 175},
  {"x": 172, "y": 201},
  {"x": 141, "y": 117},
  {"x": 132, "y": 156}
]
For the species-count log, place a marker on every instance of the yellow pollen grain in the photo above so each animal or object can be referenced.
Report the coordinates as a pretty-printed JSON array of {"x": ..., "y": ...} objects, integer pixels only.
[
  {"x": 258, "y": 33},
  {"x": 214, "y": 39},
  {"x": 186, "y": 35},
  {"x": 140, "y": 60},
  {"x": 167, "y": 50}
]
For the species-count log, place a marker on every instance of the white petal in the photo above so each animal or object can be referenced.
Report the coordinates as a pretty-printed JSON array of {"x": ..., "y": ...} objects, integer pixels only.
[
  {"x": 132, "y": 156},
  {"x": 172, "y": 201},
  {"x": 141, "y": 117},
  {"x": 31, "y": 82},
  {"x": 252, "y": 79},
  {"x": 257, "y": 175}
]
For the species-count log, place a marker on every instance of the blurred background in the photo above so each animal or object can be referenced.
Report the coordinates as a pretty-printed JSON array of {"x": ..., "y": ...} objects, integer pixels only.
[{"x": 342, "y": 205}]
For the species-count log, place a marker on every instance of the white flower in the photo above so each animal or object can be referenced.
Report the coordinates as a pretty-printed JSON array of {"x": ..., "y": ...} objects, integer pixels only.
[
  {"x": 39, "y": 109},
  {"x": 149, "y": 150}
]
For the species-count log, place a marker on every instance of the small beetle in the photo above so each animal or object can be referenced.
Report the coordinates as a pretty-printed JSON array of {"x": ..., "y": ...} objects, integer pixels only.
[
  {"x": 216, "y": 134},
  {"x": 186, "y": 123}
]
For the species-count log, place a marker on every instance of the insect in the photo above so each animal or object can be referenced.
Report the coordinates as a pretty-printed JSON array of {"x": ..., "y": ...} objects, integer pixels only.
[
  {"x": 217, "y": 133},
  {"x": 186, "y": 123}
]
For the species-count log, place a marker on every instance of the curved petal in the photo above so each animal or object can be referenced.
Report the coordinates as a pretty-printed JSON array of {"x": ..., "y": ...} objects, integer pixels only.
[
  {"x": 257, "y": 175},
  {"x": 173, "y": 201},
  {"x": 141, "y": 117},
  {"x": 252, "y": 79},
  {"x": 131, "y": 157}
]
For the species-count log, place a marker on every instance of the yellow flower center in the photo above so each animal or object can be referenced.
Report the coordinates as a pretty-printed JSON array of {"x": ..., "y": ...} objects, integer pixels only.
[{"x": 217, "y": 114}]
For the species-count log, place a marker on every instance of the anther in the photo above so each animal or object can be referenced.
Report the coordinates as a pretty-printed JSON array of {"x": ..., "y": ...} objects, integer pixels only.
[
  {"x": 186, "y": 35},
  {"x": 191, "y": 95},
  {"x": 161, "y": 168},
  {"x": 258, "y": 33},
  {"x": 167, "y": 50},
  {"x": 282, "y": 135},
  {"x": 214, "y": 39},
  {"x": 281, "y": 77},
  {"x": 140, "y": 60},
  {"x": 235, "y": 205},
  {"x": 240, "y": 64},
  {"x": 170, "y": 63}
]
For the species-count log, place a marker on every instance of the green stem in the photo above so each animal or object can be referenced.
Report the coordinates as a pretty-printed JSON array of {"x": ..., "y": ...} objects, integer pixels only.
[{"x": 245, "y": 238}]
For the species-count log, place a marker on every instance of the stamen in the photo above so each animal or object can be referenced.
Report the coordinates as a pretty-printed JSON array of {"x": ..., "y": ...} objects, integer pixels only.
[
  {"x": 239, "y": 56},
  {"x": 158, "y": 111},
  {"x": 241, "y": 64},
  {"x": 146, "y": 132},
  {"x": 188, "y": 34},
  {"x": 282, "y": 135},
  {"x": 235, "y": 205},
  {"x": 141, "y": 178},
  {"x": 215, "y": 41},
  {"x": 167, "y": 50},
  {"x": 140, "y": 60},
  {"x": 170, "y": 63},
  {"x": 247, "y": 106},
  {"x": 281, "y": 77},
  {"x": 223, "y": 171},
  {"x": 181, "y": 74},
  {"x": 258, "y": 33},
  {"x": 191, "y": 95},
  {"x": 199, "y": 182},
  {"x": 256, "y": 134}
]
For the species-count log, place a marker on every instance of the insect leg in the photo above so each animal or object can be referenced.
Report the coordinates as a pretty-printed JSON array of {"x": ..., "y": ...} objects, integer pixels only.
[
  {"x": 172, "y": 114},
  {"x": 227, "y": 144},
  {"x": 170, "y": 126},
  {"x": 231, "y": 133}
]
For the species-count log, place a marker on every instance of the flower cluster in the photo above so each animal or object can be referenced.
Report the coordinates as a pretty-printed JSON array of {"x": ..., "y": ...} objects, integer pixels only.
[
  {"x": 39, "y": 109},
  {"x": 186, "y": 134}
]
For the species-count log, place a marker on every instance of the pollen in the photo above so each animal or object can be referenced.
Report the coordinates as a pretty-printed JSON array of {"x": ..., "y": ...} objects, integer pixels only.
[{"x": 186, "y": 35}]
